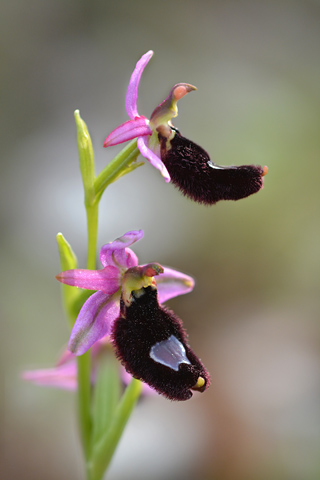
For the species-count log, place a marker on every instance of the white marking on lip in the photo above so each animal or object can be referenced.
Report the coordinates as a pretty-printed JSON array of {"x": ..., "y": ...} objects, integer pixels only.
[
  {"x": 170, "y": 353},
  {"x": 210, "y": 164}
]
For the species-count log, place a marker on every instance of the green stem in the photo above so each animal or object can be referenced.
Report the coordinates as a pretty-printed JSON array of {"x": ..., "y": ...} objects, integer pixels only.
[
  {"x": 104, "y": 450},
  {"x": 115, "y": 167},
  {"x": 92, "y": 224},
  {"x": 84, "y": 361},
  {"x": 94, "y": 188},
  {"x": 84, "y": 400}
]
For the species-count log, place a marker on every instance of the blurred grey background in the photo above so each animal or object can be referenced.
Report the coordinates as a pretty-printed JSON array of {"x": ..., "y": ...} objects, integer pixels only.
[{"x": 254, "y": 314}]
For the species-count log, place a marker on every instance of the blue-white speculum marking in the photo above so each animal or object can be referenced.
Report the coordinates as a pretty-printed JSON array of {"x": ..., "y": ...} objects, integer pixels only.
[
  {"x": 212, "y": 165},
  {"x": 170, "y": 353}
]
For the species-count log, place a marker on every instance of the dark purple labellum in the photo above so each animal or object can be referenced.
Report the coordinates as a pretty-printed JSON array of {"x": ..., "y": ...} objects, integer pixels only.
[
  {"x": 192, "y": 171},
  {"x": 152, "y": 345}
]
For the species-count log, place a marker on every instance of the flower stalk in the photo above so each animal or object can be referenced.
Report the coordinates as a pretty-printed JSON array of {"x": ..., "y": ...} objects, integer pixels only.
[
  {"x": 84, "y": 401},
  {"x": 122, "y": 163},
  {"x": 103, "y": 451},
  {"x": 99, "y": 439},
  {"x": 92, "y": 212}
]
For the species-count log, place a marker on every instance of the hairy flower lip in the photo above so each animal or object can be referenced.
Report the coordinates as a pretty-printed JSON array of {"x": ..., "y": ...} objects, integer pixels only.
[
  {"x": 151, "y": 343},
  {"x": 197, "y": 177}
]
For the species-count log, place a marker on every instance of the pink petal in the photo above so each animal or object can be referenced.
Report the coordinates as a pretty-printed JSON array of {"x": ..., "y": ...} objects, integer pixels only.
[
  {"x": 68, "y": 356},
  {"x": 62, "y": 376},
  {"x": 124, "y": 258},
  {"x": 132, "y": 92},
  {"x": 94, "y": 321},
  {"x": 127, "y": 131},
  {"x": 106, "y": 280},
  {"x": 117, "y": 254},
  {"x": 65, "y": 357},
  {"x": 155, "y": 161},
  {"x": 172, "y": 283}
]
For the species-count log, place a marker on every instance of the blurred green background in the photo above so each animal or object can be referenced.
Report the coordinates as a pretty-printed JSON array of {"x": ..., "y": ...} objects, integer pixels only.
[{"x": 254, "y": 314}]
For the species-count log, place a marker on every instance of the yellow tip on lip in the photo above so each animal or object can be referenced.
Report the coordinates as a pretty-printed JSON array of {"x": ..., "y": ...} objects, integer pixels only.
[
  {"x": 265, "y": 171},
  {"x": 200, "y": 384}
]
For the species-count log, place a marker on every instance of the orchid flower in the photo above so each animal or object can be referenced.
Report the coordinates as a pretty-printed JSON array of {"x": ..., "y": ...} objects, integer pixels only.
[
  {"x": 183, "y": 162},
  {"x": 103, "y": 307}
]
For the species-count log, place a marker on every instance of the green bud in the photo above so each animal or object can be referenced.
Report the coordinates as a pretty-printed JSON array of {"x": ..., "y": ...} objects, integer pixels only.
[
  {"x": 68, "y": 261},
  {"x": 86, "y": 158}
]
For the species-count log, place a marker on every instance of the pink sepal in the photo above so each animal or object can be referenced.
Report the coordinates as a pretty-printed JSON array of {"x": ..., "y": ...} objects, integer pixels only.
[
  {"x": 63, "y": 376},
  {"x": 132, "y": 92},
  {"x": 106, "y": 280}
]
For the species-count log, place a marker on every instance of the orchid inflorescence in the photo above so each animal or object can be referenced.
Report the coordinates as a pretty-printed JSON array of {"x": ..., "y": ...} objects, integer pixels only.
[{"x": 125, "y": 311}]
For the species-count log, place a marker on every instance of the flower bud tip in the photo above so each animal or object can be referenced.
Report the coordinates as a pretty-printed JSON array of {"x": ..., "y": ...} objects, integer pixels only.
[
  {"x": 182, "y": 89},
  {"x": 152, "y": 269}
]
